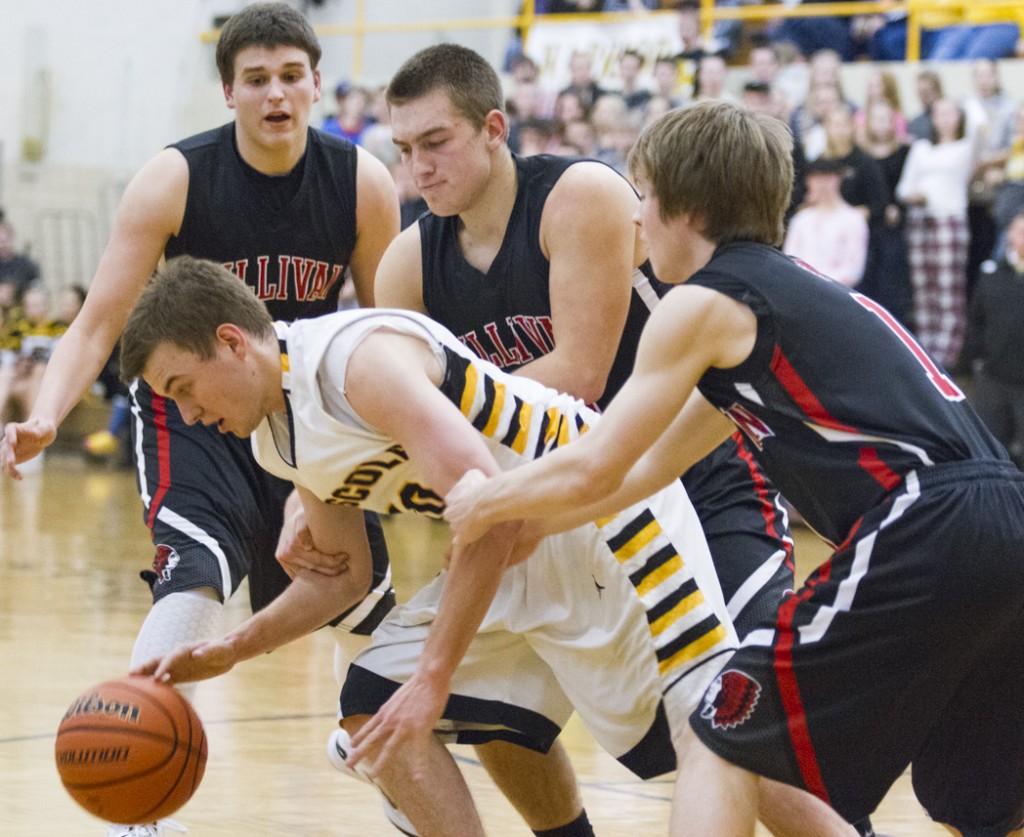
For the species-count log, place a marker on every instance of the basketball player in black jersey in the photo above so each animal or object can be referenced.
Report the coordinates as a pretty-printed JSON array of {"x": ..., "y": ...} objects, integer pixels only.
[
  {"x": 905, "y": 647},
  {"x": 289, "y": 210},
  {"x": 536, "y": 265}
]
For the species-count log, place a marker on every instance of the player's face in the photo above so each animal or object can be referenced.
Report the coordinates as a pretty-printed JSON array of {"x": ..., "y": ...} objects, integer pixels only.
[
  {"x": 670, "y": 256},
  {"x": 449, "y": 160},
  {"x": 220, "y": 391},
  {"x": 272, "y": 93}
]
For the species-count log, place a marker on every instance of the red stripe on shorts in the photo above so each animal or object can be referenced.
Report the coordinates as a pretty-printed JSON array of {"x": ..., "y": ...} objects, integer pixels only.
[
  {"x": 163, "y": 448},
  {"x": 790, "y": 692},
  {"x": 768, "y": 510}
]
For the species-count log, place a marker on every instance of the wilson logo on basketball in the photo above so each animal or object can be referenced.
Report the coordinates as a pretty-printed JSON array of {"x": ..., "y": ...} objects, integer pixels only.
[
  {"x": 730, "y": 700},
  {"x": 94, "y": 704}
]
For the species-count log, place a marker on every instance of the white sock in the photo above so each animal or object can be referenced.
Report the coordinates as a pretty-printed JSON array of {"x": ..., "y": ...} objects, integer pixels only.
[{"x": 177, "y": 619}]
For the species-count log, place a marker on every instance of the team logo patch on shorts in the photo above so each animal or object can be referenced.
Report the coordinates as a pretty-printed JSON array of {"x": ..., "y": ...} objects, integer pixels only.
[
  {"x": 730, "y": 699},
  {"x": 165, "y": 560}
]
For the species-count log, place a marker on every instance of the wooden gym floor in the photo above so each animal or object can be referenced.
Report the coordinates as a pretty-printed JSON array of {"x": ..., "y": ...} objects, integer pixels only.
[{"x": 71, "y": 543}]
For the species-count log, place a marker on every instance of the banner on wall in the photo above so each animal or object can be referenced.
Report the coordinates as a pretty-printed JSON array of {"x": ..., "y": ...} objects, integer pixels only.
[{"x": 551, "y": 43}]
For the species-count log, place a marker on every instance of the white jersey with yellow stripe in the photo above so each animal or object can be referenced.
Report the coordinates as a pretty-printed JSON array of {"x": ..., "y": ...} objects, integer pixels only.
[{"x": 323, "y": 445}]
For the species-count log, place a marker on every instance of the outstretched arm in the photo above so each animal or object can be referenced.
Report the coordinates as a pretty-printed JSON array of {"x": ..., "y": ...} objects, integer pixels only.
[
  {"x": 692, "y": 330},
  {"x": 150, "y": 212},
  {"x": 309, "y": 602}
]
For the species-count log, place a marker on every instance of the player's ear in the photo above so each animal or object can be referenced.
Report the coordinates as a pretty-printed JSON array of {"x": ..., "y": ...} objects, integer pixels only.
[
  {"x": 231, "y": 336},
  {"x": 316, "y": 85},
  {"x": 496, "y": 128},
  {"x": 229, "y": 94}
]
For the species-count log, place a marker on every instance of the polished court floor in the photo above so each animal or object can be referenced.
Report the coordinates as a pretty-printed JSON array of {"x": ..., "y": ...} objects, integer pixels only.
[{"x": 71, "y": 544}]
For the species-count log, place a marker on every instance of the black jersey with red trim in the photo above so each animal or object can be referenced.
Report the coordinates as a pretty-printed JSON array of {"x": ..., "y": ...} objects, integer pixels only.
[
  {"x": 289, "y": 238},
  {"x": 837, "y": 398},
  {"x": 504, "y": 315}
]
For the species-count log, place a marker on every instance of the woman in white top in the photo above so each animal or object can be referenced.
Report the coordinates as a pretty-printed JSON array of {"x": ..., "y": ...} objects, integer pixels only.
[{"x": 934, "y": 188}]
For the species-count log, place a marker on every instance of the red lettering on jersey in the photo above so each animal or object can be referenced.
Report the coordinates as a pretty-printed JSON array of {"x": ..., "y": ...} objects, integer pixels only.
[
  {"x": 302, "y": 269},
  {"x": 521, "y": 349},
  {"x": 320, "y": 285},
  {"x": 755, "y": 429},
  {"x": 264, "y": 290},
  {"x": 239, "y": 268},
  {"x": 473, "y": 343},
  {"x": 539, "y": 330},
  {"x": 504, "y": 357},
  {"x": 335, "y": 276},
  {"x": 282, "y": 277},
  {"x": 940, "y": 380}
]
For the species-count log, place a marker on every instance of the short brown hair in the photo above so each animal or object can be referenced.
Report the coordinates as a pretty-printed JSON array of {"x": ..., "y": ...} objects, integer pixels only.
[
  {"x": 470, "y": 82},
  {"x": 267, "y": 25},
  {"x": 184, "y": 304},
  {"x": 731, "y": 168}
]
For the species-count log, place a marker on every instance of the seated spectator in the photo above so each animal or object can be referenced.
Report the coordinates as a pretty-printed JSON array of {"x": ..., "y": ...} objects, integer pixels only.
[
  {"x": 827, "y": 233},
  {"x": 809, "y": 119},
  {"x": 810, "y": 34},
  {"x": 351, "y": 119},
  {"x": 934, "y": 188},
  {"x": 525, "y": 103},
  {"x": 950, "y": 33},
  {"x": 764, "y": 69},
  {"x": 16, "y": 269},
  {"x": 27, "y": 344},
  {"x": 994, "y": 345},
  {"x": 569, "y": 108},
  {"x": 537, "y": 136}
]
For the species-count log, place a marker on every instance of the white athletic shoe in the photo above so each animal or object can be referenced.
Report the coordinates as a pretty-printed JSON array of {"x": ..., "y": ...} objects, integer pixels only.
[
  {"x": 338, "y": 747},
  {"x": 153, "y": 830}
]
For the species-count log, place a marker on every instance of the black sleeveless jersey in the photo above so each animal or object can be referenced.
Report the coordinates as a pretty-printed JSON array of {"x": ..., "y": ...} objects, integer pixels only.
[
  {"x": 293, "y": 256},
  {"x": 505, "y": 314},
  {"x": 837, "y": 398}
]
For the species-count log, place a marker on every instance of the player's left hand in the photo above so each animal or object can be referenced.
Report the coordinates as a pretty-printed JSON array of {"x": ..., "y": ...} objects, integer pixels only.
[
  {"x": 187, "y": 663},
  {"x": 461, "y": 509},
  {"x": 295, "y": 550},
  {"x": 403, "y": 725}
]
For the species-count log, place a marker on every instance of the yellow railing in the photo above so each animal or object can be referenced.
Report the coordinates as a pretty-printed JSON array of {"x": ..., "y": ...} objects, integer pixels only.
[{"x": 1009, "y": 10}]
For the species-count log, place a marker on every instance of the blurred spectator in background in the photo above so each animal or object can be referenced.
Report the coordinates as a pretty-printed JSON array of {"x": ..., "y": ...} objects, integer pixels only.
[
  {"x": 991, "y": 115},
  {"x": 994, "y": 348},
  {"x": 882, "y": 87},
  {"x": 888, "y": 282},
  {"x": 808, "y": 121},
  {"x": 631, "y": 62},
  {"x": 934, "y": 188},
  {"x": 1007, "y": 179},
  {"x": 526, "y": 103},
  {"x": 569, "y": 108},
  {"x": 950, "y": 32},
  {"x": 581, "y": 79},
  {"x": 827, "y": 233},
  {"x": 712, "y": 75},
  {"x": 764, "y": 69},
  {"x": 565, "y": 7},
  {"x": 351, "y": 119},
  {"x": 16, "y": 269},
  {"x": 667, "y": 83},
  {"x": 929, "y": 91}
]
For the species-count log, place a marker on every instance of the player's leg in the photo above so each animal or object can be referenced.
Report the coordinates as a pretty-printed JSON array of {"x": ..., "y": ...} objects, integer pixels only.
[
  {"x": 542, "y": 787},
  {"x": 487, "y": 703},
  {"x": 968, "y": 775},
  {"x": 746, "y": 524},
  {"x": 438, "y": 806},
  {"x": 712, "y": 798}
]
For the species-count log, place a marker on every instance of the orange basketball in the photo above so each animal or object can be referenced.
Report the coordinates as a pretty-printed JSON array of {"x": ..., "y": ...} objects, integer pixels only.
[{"x": 131, "y": 750}]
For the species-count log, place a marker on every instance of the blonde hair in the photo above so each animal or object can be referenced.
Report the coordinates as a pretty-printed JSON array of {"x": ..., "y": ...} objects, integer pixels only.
[{"x": 729, "y": 167}]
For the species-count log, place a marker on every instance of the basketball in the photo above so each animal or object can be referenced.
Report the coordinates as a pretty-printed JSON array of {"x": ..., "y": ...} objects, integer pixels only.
[{"x": 131, "y": 750}]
